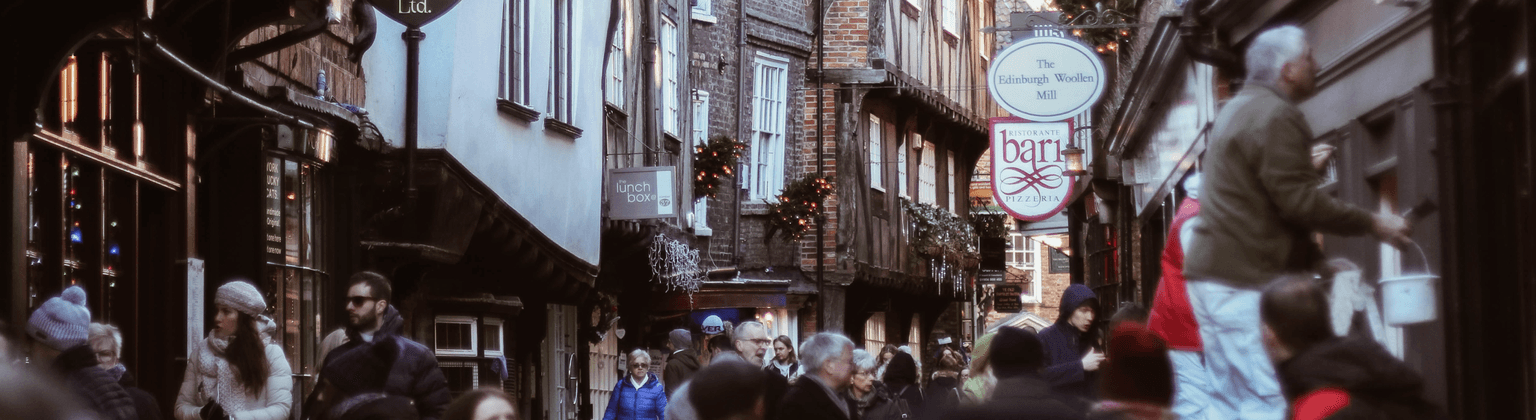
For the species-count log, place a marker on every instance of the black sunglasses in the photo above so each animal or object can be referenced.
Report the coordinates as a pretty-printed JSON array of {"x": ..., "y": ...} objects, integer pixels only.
[{"x": 359, "y": 300}]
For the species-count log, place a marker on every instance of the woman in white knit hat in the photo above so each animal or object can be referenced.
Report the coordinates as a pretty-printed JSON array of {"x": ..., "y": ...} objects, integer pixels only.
[{"x": 237, "y": 373}]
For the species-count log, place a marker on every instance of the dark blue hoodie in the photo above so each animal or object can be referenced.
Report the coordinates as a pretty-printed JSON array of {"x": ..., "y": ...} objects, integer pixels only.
[{"x": 1065, "y": 346}]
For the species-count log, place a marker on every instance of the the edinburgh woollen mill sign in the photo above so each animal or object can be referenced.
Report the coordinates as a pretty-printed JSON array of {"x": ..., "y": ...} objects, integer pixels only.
[
  {"x": 1046, "y": 78},
  {"x": 1027, "y": 166}
]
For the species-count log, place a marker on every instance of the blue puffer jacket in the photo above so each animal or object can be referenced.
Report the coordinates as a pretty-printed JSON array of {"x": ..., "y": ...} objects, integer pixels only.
[
  {"x": 647, "y": 403},
  {"x": 1065, "y": 346}
]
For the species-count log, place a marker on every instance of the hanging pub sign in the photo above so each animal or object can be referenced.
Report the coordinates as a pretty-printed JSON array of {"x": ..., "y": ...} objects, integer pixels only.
[
  {"x": 1006, "y": 298},
  {"x": 1027, "y": 166},
  {"x": 641, "y": 193},
  {"x": 1046, "y": 78},
  {"x": 413, "y": 13}
]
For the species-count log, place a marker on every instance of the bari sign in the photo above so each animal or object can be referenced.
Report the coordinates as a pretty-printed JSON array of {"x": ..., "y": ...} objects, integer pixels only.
[
  {"x": 1027, "y": 166},
  {"x": 1046, "y": 78},
  {"x": 413, "y": 13}
]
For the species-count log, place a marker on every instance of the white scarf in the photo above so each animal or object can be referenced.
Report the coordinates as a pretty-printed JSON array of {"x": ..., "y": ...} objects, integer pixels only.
[
  {"x": 216, "y": 377},
  {"x": 783, "y": 368}
]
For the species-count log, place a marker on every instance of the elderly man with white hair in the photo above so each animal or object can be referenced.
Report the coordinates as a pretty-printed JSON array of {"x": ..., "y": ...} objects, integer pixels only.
[
  {"x": 1259, "y": 209},
  {"x": 820, "y": 394}
]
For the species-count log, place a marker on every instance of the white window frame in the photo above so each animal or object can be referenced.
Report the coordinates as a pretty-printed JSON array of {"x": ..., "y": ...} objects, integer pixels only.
[
  {"x": 950, "y": 182},
  {"x": 769, "y": 106},
  {"x": 951, "y": 17},
  {"x": 501, "y": 331},
  {"x": 927, "y": 174},
  {"x": 513, "y": 86},
  {"x": 564, "y": 75},
  {"x": 616, "y": 62},
  {"x": 701, "y": 137},
  {"x": 669, "y": 88},
  {"x": 1024, "y": 252},
  {"x": 474, "y": 336},
  {"x": 703, "y": 10},
  {"x": 876, "y": 153},
  {"x": 901, "y": 169}
]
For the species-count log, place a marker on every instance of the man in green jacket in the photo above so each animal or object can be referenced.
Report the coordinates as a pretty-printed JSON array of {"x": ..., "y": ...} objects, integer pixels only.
[{"x": 1260, "y": 205}]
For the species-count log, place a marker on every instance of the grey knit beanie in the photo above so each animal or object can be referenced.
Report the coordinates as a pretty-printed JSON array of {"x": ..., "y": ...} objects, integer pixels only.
[
  {"x": 63, "y": 321},
  {"x": 241, "y": 296}
]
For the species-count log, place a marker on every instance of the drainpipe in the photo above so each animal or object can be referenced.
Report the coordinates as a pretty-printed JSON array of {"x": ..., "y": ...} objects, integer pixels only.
[
  {"x": 1192, "y": 32},
  {"x": 821, "y": 162},
  {"x": 741, "y": 107}
]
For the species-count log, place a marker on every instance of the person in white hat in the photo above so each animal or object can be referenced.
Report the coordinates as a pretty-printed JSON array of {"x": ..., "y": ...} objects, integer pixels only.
[
  {"x": 236, "y": 372},
  {"x": 58, "y": 330}
]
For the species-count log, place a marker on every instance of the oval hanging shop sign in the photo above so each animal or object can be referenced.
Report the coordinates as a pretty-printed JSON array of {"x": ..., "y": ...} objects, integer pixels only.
[
  {"x": 1046, "y": 78},
  {"x": 1027, "y": 166},
  {"x": 414, "y": 13}
]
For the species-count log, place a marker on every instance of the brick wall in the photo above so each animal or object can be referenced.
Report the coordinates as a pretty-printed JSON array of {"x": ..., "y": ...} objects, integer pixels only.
[
  {"x": 847, "y": 42},
  {"x": 780, "y": 28},
  {"x": 299, "y": 66}
]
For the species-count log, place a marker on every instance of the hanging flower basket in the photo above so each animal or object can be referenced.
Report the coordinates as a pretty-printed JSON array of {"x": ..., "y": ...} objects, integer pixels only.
[
  {"x": 799, "y": 206},
  {"x": 712, "y": 161},
  {"x": 936, "y": 232}
]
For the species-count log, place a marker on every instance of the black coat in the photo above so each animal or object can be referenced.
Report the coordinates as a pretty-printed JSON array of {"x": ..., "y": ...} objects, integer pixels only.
[
  {"x": 94, "y": 385},
  {"x": 1065, "y": 346},
  {"x": 775, "y": 386},
  {"x": 806, "y": 400},
  {"x": 394, "y": 364},
  {"x": 1379, "y": 385},
  {"x": 143, "y": 403},
  {"x": 680, "y": 367},
  {"x": 1019, "y": 398},
  {"x": 881, "y": 405}
]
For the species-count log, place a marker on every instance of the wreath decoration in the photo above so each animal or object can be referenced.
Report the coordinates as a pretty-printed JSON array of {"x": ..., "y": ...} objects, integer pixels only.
[
  {"x": 712, "y": 161},
  {"x": 799, "y": 206}
]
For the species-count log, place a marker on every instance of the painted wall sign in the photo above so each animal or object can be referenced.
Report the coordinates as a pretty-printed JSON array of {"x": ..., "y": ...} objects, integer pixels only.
[
  {"x": 414, "y": 13},
  {"x": 641, "y": 193},
  {"x": 1027, "y": 165},
  {"x": 1046, "y": 78}
]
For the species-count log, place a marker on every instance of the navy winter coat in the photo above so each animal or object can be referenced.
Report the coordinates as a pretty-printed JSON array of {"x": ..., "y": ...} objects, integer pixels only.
[
  {"x": 391, "y": 363},
  {"x": 1065, "y": 346},
  {"x": 647, "y": 403}
]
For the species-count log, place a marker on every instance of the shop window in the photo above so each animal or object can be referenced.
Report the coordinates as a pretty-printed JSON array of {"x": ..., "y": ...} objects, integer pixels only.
[{"x": 462, "y": 376}]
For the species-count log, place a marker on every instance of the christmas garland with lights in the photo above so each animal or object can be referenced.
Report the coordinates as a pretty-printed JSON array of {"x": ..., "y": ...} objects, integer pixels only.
[
  {"x": 935, "y": 232},
  {"x": 712, "y": 161},
  {"x": 798, "y": 208}
]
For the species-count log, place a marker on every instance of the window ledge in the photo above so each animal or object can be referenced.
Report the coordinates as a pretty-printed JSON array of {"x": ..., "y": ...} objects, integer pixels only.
[
  {"x": 754, "y": 208},
  {"x": 703, "y": 231},
  {"x": 518, "y": 110},
  {"x": 704, "y": 17},
  {"x": 562, "y": 127}
]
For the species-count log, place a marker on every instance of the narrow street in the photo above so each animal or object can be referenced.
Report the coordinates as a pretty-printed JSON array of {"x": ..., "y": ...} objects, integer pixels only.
[{"x": 935, "y": 209}]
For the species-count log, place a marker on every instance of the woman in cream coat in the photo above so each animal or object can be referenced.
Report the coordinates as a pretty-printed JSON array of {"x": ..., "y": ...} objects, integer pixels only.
[{"x": 237, "y": 373}]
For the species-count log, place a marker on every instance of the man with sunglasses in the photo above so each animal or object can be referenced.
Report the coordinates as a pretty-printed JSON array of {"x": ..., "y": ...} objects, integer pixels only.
[{"x": 377, "y": 361}]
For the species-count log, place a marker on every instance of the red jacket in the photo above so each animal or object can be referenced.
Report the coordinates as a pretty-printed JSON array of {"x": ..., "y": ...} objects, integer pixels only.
[{"x": 1172, "y": 317}]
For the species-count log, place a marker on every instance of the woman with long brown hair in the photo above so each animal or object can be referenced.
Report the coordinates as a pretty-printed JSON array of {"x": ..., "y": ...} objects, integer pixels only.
[{"x": 236, "y": 372}]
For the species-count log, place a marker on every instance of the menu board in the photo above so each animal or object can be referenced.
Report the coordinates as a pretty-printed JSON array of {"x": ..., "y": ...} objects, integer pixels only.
[
  {"x": 274, "y": 209},
  {"x": 1060, "y": 262}
]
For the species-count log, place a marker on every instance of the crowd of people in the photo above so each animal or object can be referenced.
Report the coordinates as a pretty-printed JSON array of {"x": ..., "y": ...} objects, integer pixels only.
[{"x": 1239, "y": 328}]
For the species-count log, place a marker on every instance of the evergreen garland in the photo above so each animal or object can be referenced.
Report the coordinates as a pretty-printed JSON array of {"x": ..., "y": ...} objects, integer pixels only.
[
  {"x": 712, "y": 161},
  {"x": 936, "y": 232},
  {"x": 799, "y": 206}
]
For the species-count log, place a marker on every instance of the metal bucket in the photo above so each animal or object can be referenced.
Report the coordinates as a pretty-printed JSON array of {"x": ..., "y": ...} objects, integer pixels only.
[{"x": 1410, "y": 298}]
